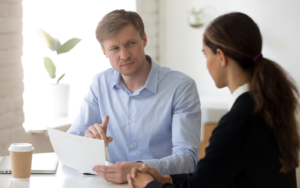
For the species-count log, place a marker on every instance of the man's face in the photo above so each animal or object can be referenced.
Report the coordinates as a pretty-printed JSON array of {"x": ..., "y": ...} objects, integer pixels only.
[{"x": 125, "y": 50}]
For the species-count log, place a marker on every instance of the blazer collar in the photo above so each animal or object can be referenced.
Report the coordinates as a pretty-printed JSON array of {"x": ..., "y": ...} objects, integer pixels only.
[{"x": 238, "y": 92}]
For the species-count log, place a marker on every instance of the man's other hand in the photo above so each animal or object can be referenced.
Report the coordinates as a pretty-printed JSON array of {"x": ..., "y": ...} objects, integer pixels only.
[
  {"x": 98, "y": 131},
  {"x": 116, "y": 173}
]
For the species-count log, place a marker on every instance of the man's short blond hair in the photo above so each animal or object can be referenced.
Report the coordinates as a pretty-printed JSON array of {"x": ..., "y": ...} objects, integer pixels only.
[{"x": 115, "y": 20}]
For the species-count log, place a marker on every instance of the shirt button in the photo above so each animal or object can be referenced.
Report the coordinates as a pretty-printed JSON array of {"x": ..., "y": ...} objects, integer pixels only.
[
  {"x": 132, "y": 97},
  {"x": 132, "y": 146},
  {"x": 130, "y": 121}
]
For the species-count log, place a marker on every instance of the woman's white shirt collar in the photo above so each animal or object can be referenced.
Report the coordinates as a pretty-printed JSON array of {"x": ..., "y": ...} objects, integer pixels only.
[{"x": 239, "y": 91}]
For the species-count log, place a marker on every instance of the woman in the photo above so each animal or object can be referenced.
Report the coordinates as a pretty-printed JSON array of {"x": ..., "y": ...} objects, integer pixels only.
[{"x": 256, "y": 143}]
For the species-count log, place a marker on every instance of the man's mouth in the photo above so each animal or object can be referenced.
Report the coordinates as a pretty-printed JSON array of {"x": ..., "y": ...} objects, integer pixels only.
[{"x": 126, "y": 64}]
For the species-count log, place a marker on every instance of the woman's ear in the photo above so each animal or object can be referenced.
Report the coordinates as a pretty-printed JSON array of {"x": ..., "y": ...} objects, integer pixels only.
[{"x": 221, "y": 57}]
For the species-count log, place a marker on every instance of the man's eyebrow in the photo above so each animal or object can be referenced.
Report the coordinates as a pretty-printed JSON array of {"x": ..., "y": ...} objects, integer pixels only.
[
  {"x": 130, "y": 40},
  {"x": 113, "y": 46}
]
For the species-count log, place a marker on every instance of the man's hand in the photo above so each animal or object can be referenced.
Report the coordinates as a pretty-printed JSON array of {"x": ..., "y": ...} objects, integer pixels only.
[
  {"x": 98, "y": 131},
  {"x": 152, "y": 171},
  {"x": 116, "y": 173},
  {"x": 140, "y": 180}
]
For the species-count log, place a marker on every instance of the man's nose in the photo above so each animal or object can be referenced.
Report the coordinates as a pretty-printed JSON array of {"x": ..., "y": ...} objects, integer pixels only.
[{"x": 125, "y": 54}]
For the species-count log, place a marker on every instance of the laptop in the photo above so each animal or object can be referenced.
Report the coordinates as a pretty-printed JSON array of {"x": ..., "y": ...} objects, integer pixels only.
[{"x": 42, "y": 163}]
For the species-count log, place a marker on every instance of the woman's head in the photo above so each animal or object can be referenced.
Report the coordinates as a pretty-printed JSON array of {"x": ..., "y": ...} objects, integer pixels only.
[{"x": 235, "y": 36}]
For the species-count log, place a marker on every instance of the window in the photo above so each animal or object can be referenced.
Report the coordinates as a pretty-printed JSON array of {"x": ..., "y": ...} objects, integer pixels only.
[{"x": 63, "y": 19}]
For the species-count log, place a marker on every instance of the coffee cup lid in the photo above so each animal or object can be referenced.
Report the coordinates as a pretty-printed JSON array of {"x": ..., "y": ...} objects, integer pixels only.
[{"x": 21, "y": 147}]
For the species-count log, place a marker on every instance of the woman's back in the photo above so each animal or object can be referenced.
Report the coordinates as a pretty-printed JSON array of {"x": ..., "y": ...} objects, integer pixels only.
[
  {"x": 243, "y": 150},
  {"x": 242, "y": 153}
]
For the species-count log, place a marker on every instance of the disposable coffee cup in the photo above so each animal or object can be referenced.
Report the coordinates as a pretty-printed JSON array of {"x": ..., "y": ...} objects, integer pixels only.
[{"x": 20, "y": 158}]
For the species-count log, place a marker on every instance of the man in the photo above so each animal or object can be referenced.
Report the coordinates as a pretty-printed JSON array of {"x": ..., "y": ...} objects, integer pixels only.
[{"x": 145, "y": 113}]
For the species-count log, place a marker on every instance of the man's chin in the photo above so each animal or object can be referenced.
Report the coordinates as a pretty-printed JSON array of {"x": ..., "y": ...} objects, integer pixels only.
[{"x": 129, "y": 72}]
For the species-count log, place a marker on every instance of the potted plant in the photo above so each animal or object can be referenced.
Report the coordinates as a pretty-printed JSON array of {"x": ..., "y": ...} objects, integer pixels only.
[
  {"x": 195, "y": 18},
  {"x": 57, "y": 94}
]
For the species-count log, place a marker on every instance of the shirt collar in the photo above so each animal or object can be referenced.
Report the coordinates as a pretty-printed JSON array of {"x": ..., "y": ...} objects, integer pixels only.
[
  {"x": 151, "y": 83},
  {"x": 152, "y": 80},
  {"x": 238, "y": 92},
  {"x": 117, "y": 80}
]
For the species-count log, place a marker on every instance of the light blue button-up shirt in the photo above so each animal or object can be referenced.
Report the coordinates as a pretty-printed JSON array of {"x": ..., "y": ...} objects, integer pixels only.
[{"x": 159, "y": 124}]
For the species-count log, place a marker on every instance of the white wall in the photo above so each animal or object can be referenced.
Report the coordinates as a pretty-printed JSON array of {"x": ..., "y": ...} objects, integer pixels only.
[{"x": 180, "y": 45}]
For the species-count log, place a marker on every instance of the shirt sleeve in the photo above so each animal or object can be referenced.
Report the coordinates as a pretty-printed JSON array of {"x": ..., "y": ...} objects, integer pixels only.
[
  {"x": 89, "y": 113},
  {"x": 186, "y": 124}
]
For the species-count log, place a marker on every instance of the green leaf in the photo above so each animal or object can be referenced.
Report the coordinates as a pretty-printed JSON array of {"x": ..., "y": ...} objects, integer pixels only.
[
  {"x": 67, "y": 46},
  {"x": 50, "y": 67},
  {"x": 47, "y": 38},
  {"x": 60, "y": 78}
]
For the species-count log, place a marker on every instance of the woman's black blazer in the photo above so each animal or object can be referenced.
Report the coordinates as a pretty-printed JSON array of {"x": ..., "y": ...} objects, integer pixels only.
[{"x": 242, "y": 153}]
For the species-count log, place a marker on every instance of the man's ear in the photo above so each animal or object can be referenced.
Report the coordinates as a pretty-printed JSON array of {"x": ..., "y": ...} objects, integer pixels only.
[
  {"x": 103, "y": 51},
  {"x": 145, "y": 40},
  {"x": 222, "y": 57}
]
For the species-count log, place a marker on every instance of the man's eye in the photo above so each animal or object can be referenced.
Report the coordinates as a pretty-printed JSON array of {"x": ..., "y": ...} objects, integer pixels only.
[
  {"x": 131, "y": 43},
  {"x": 114, "y": 48}
]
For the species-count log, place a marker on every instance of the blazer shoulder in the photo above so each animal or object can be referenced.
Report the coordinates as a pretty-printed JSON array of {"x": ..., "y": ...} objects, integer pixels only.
[
  {"x": 243, "y": 103},
  {"x": 240, "y": 117},
  {"x": 242, "y": 108}
]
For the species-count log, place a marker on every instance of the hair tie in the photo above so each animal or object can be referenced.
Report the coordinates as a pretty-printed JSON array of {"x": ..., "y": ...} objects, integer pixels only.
[{"x": 256, "y": 57}]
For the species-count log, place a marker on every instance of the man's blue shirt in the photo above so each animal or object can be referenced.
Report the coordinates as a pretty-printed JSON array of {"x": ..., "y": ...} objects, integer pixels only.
[{"x": 159, "y": 124}]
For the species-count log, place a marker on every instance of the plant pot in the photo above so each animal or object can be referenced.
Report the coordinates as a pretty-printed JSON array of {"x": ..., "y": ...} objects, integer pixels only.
[
  {"x": 57, "y": 100},
  {"x": 195, "y": 21}
]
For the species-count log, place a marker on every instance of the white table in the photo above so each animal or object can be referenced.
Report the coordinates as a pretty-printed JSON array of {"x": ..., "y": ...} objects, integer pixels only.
[{"x": 65, "y": 177}]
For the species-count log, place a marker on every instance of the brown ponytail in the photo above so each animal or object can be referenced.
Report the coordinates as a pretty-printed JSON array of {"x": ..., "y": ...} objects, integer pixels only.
[
  {"x": 274, "y": 92},
  {"x": 276, "y": 98}
]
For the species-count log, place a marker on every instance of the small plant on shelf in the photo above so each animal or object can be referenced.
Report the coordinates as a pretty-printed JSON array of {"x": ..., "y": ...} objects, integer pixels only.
[
  {"x": 54, "y": 45},
  {"x": 195, "y": 17}
]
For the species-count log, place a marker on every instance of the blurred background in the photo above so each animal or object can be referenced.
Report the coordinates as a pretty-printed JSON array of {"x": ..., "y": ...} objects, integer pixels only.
[{"x": 174, "y": 40}]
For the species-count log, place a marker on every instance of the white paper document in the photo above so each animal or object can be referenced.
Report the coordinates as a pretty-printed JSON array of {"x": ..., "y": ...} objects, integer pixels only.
[{"x": 78, "y": 152}]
